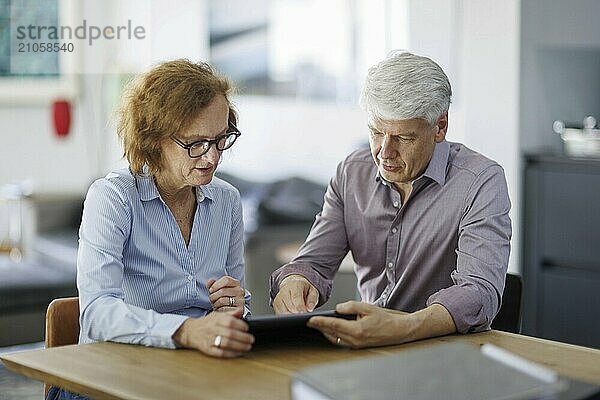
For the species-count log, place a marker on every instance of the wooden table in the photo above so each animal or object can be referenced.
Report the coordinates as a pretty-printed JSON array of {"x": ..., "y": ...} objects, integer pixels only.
[{"x": 115, "y": 371}]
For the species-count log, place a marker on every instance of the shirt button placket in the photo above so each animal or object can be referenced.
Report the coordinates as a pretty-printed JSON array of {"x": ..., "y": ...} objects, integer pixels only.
[
  {"x": 391, "y": 273},
  {"x": 189, "y": 289},
  {"x": 384, "y": 296},
  {"x": 391, "y": 253},
  {"x": 391, "y": 276}
]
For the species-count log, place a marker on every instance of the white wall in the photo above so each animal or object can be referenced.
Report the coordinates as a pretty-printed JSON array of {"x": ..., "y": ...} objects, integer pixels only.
[
  {"x": 30, "y": 151},
  {"x": 28, "y": 148},
  {"x": 490, "y": 77},
  {"x": 284, "y": 137},
  {"x": 477, "y": 44}
]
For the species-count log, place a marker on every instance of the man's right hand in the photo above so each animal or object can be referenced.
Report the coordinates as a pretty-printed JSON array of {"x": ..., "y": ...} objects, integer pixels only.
[{"x": 296, "y": 295}]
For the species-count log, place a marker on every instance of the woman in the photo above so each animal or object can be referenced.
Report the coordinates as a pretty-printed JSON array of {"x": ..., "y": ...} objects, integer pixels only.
[{"x": 161, "y": 242}]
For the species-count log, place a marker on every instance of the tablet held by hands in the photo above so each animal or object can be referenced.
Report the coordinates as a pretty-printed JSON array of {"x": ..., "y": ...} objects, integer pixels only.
[{"x": 289, "y": 328}]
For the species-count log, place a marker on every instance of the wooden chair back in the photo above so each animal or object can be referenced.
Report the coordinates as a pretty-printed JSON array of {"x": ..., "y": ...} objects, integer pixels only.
[{"x": 62, "y": 324}]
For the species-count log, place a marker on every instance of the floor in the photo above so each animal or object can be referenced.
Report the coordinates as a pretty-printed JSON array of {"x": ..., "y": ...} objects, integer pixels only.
[{"x": 14, "y": 386}]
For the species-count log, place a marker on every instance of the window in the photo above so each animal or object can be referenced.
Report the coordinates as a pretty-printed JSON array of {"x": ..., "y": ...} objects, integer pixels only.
[
  {"x": 31, "y": 69},
  {"x": 302, "y": 48}
]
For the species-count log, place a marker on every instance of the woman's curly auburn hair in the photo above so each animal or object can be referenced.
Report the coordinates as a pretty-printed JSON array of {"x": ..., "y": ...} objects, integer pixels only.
[{"x": 161, "y": 103}]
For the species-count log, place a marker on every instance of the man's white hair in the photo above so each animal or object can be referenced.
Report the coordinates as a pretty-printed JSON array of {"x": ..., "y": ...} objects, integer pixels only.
[{"x": 406, "y": 86}]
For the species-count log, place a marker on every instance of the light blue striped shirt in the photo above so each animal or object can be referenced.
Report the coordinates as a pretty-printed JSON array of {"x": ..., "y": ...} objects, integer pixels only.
[{"x": 137, "y": 279}]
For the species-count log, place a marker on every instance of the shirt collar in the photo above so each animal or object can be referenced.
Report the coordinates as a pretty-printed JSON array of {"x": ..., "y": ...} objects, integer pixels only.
[
  {"x": 149, "y": 191},
  {"x": 206, "y": 191},
  {"x": 436, "y": 169}
]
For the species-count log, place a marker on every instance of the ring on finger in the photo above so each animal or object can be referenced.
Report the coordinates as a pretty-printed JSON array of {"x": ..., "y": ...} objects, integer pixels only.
[
  {"x": 218, "y": 340},
  {"x": 232, "y": 301}
]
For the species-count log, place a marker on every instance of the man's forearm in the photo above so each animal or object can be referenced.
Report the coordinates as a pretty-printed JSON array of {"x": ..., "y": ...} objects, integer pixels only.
[
  {"x": 376, "y": 326},
  {"x": 431, "y": 321}
]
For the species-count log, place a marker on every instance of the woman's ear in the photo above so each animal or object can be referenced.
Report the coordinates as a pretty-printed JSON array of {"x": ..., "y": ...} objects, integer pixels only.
[{"x": 233, "y": 117}]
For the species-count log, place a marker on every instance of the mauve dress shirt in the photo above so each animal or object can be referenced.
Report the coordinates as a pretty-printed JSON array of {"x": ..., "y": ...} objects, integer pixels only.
[{"x": 448, "y": 244}]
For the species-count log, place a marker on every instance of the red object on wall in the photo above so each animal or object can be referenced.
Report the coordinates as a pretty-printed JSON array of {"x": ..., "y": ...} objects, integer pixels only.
[{"x": 61, "y": 113}]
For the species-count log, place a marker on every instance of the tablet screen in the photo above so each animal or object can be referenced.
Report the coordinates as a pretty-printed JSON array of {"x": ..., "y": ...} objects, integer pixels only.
[{"x": 288, "y": 328}]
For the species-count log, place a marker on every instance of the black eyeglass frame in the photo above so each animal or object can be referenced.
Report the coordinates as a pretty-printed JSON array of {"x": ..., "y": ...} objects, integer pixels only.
[{"x": 233, "y": 130}]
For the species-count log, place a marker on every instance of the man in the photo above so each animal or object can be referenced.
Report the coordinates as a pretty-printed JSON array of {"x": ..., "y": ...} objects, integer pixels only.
[{"x": 426, "y": 221}]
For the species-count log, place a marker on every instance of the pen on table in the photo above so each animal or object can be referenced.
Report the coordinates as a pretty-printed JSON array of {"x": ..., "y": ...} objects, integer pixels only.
[{"x": 519, "y": 363}]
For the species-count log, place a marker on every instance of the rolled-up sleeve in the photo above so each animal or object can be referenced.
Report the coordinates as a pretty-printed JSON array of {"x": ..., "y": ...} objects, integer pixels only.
[
  {"x": 482, "y": 254},
  {"x": 325, "y": 247},
  {"x": 104, "y": 316}
]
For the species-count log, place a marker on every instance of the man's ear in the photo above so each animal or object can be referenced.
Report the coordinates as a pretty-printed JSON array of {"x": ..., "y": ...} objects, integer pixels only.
[{"x": 442, "y": 125}]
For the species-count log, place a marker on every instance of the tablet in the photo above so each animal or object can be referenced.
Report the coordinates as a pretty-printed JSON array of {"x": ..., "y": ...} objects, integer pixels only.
[{"x": 288, "y": 328}]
